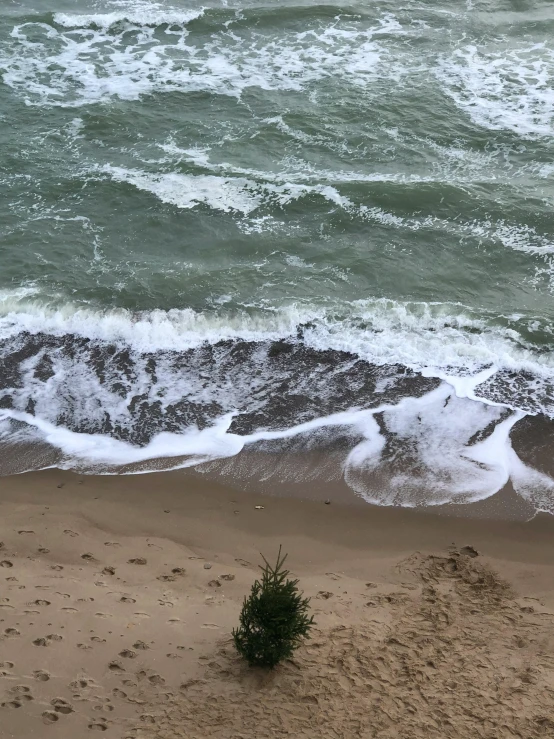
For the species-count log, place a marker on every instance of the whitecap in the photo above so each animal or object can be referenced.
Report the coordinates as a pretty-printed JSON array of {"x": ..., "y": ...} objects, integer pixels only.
[{"x": 503, "y": 89}]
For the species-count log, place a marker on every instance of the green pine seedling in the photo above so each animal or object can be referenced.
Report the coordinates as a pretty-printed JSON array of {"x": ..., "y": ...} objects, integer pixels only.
[{"x": 274, "y": 618}]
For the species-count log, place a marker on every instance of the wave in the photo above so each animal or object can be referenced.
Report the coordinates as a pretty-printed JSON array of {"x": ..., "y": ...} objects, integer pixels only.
[
  {"x": 147, "y": 14},
  {"x": 244, "y": 191},
  {"x": 219, "y": 193},
  {"x": 78, "y": 60},
  {"x": 150, "y": 13},
  {"x": 394, "y": 385},
  {"x": 437, "y": 338},
  {"x": 146, "y": 48}
]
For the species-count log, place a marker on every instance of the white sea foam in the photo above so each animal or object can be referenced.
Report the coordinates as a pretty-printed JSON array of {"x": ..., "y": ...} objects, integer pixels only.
[
  {"x": 188, "y": 191},
  {"x": 505, "y": 88},
  {"x": 298, "y": 179},
  {"x": 244, "y": 190},
  {"x": 99, "y": 451},
  {"x": 138, "y": 13},
  {"x": 298, "y": 170},
  {"x": 442, "y": 337},
  {"x": 96, "y": 57},
  {"x": 438, "y": 429},
  {"x": 220, "y": 193}
]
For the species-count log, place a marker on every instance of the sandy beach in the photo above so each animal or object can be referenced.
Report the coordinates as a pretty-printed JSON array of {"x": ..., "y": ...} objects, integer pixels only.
[{"x": 119, "y": 595}]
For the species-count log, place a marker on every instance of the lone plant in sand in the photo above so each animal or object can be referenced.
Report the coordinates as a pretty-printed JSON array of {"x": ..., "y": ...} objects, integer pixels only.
[{"x": 274, "y": 618}]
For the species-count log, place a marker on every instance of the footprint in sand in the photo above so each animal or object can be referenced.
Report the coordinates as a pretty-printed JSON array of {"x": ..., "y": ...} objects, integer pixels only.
[
  {"x": 61, "y": 706},
  {"x": 40, "y": 602},
  {"x": 70, "y": 610},
  {"x": 128, "y": 654},
  {"x": 97, "y": 639},
  {"x": 20, "y": 689},
  {"x": 140, "y": 645},
  {"x": 243, "y": 562},
  {"x": 112, "y": 544},
  {"x": 22, "y": 695},
  {"x": 84, "y": 646},
  {"x": 25, "y": 698},
  {"x": 12, "y": 632},
  {"x": 77, "y": 684},
  {"x": 41, "y": 675},
  {"x": 116, "y": 667},
  {"x": 6, "y": 563},
  {"x": 11, "y": 704},
  {"x": 99, "y": 614},
  {"x": 137, "y": 561},
  {"x": 6, "y": 665},
  {"x": 56, "y": 568},
  {"x": 88, "y": 557},
  {"x": 98, "y": 726},
  {"x": 49, "y": 717},
  {"x": 63, "y": 595},
  {"x": 108, "y": 571},
  {"x": 45, "y": 641},
  {"x": 43, "y": 550},
  {"x": 408, "y": 586},
  {"x": 25, "y": 532},
  {"x": 70, "y": 533},
  {"x": 126, "y": 599}
]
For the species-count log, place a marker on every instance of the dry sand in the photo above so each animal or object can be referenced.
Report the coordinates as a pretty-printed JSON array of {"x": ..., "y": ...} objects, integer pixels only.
[{"x": 118, "y": 596}]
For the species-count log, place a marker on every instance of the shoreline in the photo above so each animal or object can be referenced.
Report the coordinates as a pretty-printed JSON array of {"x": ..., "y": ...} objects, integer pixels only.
[
  {"x": 104, "y": 499},
  {"x": 120, "y": 593}
]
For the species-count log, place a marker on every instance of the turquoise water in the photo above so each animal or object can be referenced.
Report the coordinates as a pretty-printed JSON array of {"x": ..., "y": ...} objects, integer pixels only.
[{"x": 366, "y": 178}]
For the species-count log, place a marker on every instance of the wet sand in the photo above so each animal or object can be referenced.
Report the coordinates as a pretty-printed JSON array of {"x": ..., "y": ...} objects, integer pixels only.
[{"x": 119, "y": 595}]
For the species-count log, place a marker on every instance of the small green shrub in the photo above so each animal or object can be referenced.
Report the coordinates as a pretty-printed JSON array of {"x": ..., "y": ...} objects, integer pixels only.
[{"x": 274, "y": 618}]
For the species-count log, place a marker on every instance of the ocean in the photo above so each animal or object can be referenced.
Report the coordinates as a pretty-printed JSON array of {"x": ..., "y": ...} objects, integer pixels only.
[{"x": 284, "y": 228}]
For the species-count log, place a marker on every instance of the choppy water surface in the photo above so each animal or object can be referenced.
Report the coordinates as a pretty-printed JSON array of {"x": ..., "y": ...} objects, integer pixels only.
[{"x": 281, "y": 225}]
